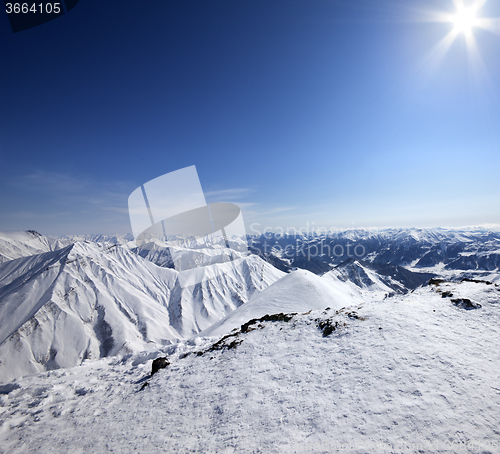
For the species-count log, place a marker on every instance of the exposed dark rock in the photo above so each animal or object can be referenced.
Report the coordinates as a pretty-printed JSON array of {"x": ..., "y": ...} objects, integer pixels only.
[
  {"x": 144, "y": 385},
  {"x": 446, "y": 295},
  {"x": 267, "y": 318},
  {"x": 34, "y": 233},
  {"x": 159, "y": 363},
  {"x": 465, "y": 303},
  {"x": 224, "y": 343},
  {"x": 477, "y": 281},
  {"x": 103, "y": 332},
  {"x": 435, "y": 281},
  {"x": 6, "y": 389},
  {"x": 221, "y": 344},
  {"x": 328, "y": 326},
  {"x": 354, "y": 314}
]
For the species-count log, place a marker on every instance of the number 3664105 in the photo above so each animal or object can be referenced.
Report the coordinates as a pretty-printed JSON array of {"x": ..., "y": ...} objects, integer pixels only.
[{"x": 33, "y": 8}]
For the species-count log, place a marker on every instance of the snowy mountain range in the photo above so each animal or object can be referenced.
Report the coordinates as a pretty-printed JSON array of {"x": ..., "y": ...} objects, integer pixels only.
[
  {"x": 383, "y": 348},
  {"x": 91, "y": 300},
  {"x": 475, "y": 249}
]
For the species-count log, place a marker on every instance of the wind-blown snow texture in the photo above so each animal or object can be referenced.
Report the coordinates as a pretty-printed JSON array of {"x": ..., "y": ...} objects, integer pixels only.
[
  {"x": 412, "y": 373},
  {"x": 363, "y": 359}
]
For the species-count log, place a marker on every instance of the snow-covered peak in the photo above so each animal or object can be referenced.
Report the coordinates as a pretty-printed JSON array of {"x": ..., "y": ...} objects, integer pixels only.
[
  {"x": 91, "y": 300},
  {"x": 22, "y": 244},
  {"x": 299, "y": 291}
]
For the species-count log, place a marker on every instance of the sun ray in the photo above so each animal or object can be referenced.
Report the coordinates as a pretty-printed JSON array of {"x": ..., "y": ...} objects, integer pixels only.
[
  {"x": 492, "y": 25},
  {"x": 437, "y": 54},
  {"x": 477, "y": 68},
  {"x": 463, "y": 22}
]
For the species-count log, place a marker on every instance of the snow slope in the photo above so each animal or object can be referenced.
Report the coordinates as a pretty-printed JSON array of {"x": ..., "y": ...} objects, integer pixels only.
[
  {"x": 125, "y": 239},
  {"x": 299, "y": 291},
  {"x": 412, "y": 373},
  {"x": 376, "y": 280},
  {"x": 199, "y": 253},
  {"x": 22, "y": 244},
  {"x": 94, "y": 300}
]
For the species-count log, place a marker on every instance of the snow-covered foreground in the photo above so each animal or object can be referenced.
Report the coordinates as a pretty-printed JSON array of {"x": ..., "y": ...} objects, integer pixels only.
[{"x": 412, "y": 373}]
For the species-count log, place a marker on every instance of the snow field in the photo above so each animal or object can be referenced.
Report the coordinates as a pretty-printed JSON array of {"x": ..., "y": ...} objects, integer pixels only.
[{"x": 412, "y": 373}]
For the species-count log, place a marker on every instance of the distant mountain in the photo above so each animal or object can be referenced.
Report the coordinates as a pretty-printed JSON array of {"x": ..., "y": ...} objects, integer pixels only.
[
  {"x": 200, "y": 252},
  {"x": 22, "y": 244},
  {"x": 380, "y": 276},
  {"x": 14, "y": 245},
  {"x": 122, "y": 239},
  {"x": 466, "y": 249},
  {"x": 457, "y": 249}
]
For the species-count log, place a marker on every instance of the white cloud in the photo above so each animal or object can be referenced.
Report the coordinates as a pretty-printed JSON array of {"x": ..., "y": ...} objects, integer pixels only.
[{"x": 227, "y": 194}]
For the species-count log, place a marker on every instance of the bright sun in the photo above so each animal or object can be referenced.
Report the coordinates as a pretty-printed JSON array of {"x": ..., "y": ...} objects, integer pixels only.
[
  {"x": 464, "y": 23},
  {"x": 465, "y": 20}
]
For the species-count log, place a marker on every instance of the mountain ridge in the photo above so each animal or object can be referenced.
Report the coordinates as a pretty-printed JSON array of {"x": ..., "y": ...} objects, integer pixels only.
[{"x": 92, "y": 300}]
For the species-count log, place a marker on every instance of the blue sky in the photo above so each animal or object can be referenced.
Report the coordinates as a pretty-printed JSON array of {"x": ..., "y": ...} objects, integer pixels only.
[{"x": 337, "y": 113}]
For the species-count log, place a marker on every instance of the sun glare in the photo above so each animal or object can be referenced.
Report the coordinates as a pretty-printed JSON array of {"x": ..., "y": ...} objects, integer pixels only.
[{"x": 465, "y": 20}]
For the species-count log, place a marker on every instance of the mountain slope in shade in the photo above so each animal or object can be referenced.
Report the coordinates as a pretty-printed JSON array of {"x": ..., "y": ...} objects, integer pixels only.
[
  {"x": 299, "y": 291},
  {"x": 88, "y": 301},
  {"x": 380, "y": 277},
  {"x": 458, "y": 248}
]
